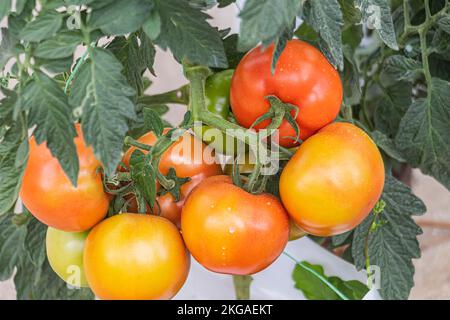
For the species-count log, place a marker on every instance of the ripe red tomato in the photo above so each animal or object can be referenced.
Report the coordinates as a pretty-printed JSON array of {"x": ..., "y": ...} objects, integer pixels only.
[
  {"x": 65, "y": 255},
  {"x": 229, "y": 230},
  {"x": 50, "y": 196},
  {"x": 303, "y": 77},
  {"x": 135, "y": 256},
  {"x": 333, "y": 181},
  {"x": 196, "y": 162}
]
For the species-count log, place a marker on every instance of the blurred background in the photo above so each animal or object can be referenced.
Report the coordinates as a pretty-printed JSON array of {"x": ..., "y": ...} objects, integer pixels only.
[{"x": 432, "y": 278}]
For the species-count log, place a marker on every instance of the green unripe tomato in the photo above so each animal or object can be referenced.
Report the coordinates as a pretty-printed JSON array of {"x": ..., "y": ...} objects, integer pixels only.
[
  {"x": 65, "y": 255},
  {"x": 217, "y": 93}
]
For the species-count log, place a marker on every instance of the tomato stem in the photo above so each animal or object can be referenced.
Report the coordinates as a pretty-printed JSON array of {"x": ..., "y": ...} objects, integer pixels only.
[
  {"x": 253, "y": 177},
  {"x": 75, "y": 70},
  {"x": 177, "y": 96},
  {"x": 197, "y": 105},
  {"x": 242, "y": 286},
  {"x": 167, "y": 184},
  {"x": 129, "y": 141}
]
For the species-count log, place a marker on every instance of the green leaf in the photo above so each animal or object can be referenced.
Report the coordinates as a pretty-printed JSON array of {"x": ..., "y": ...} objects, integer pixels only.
[
  {"x": 10, "y": 174},
  {"x": 350, "y": 13},
  {"x": 78, "y": 2},
  {"x": 62, "y": 45},
  {"x": 12, "y": 239},
  {"x": 20, "y": 6},
  {"x": 152, "y": 27},
  {"x": 392, "y": 106},
  {"x": 147, "y": 52},
  {"x": 327, "y": 20},
  {"x": 352, "y": 36},
  {"x": 6, "y": 48},
  {"x": 439, "y": 68},
  {"x": 341, "y": 239},
  {"x": 402, "y": 68},
  {"x": 102, "y": 92},
  {"x": 43, "y": 284},
  {"x": 135, "y": 58},
  {"x": 55, "y": 65},
  {"x": 22, "y": 154},
  {"x": 24, "y": 249},
  {"x": 393, "y": 244},
  {"x": 444, "y": 23},
  {"x": 144, "y": 176},
  {"x": 52, "y": 115},
  {"x": 377, "y": 15},
  {"x": 121, "y": 17},
  {"x": 423, "y": 135},
  {"x": 225, "y": 3},
  {"x": 315, "y": 289},
  {"x": 280, "y": 44},
  {"x": 440, "y": 43},
  {"x": 153, "y": 121},
  {"x": 232, "y": 53},
  {"x": 6, "y": 108},
  {"x": 387, "y": 145},
  {"x": 350, "y": 77},
  {"x": 43, "y": 27},
  {"x": 202, "y": 4},
  {"x": 306, "y": 33},
  {"x": 35, "y": 242},
  {"x": 265, "y": 21},
  {"x": 5, "y": 7},
  {"x": 188, "y": 34},
  {"x": 52, "y": 4}
]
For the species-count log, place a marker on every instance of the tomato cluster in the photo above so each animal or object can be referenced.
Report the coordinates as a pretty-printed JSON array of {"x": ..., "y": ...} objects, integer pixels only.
[{"x": 328, "y": 187}]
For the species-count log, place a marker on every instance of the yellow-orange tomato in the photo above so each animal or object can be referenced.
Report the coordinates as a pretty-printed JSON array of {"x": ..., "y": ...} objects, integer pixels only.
[
  {"x": 196, "y": 162},
  {"x": 50, "y": 196},
  {"x": 229, "y": 230},
  {"x": 135, "y": 256},
  {"x": 333, "y": 181}
]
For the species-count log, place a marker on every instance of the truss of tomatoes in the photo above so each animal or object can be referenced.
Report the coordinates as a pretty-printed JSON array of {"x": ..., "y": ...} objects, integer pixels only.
[{"x": 328, "y": 187}]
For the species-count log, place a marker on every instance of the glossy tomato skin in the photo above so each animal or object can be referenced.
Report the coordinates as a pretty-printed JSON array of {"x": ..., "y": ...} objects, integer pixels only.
[
  {"x": 229, "y": 230},
  {"x": 186, "y": 164},
  {"x": 135, "y": 256},
  {"x": 65, "y": 255},
  {"x": 333, "y": 180},
  {"x": 303, "y": 77},
  {"x": 217, "y": 93},
  {"x": 50, "y": 196}
]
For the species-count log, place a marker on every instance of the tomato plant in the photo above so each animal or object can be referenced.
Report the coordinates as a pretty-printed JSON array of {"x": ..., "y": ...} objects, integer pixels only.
[{"x": 350, "y": 94}]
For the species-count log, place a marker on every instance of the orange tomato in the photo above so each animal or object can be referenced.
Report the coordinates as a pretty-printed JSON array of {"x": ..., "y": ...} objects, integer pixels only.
[
  {"x": 303, "y": 77},
  {"x": 50, "y": 196},
  {"x": 196, "y": 161},
  {"x": 135, "y": 256},
  {"x": 333, "y": 181},
  {"x": 229, "y": 230}
]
